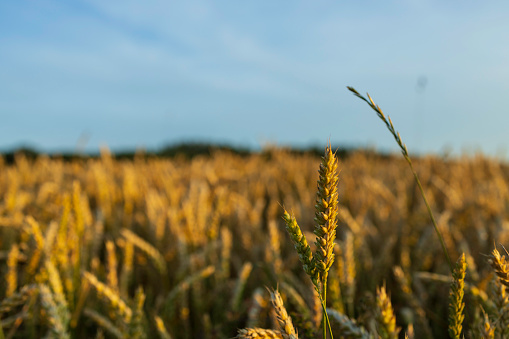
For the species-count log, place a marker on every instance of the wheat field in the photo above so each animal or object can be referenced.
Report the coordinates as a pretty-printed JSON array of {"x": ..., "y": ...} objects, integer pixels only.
[{"x": 198, "y": 248}]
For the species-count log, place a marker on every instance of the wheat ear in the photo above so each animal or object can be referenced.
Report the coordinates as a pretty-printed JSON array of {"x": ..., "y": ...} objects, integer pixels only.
[
  {"x": 500, "y": 265},
  {"x": 12, "y": 273},
  {"x": 385, "y": 318},
  {"x": 301, "y": 245},
  {"x": 258, "y": 333},
  {"x": 326, "y": 211},
  {"x": 111, "y": 277},
  {"x": 111, "y": 296},
  {"x": 161, "y": 328},
  {"x": 487, "y": 330},
  {"x": 146, "y": 247},
  {"x": 284, "y": 320},
  {"x": 501, "y": 300},
  {"x": 127, "y": 268},
  {"x": 456, "y": 304},
  {"x": 58, "y": 324}
]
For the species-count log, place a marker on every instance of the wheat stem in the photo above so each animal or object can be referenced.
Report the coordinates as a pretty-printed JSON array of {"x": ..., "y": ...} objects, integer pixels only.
[{"x": 388, "y": 122}]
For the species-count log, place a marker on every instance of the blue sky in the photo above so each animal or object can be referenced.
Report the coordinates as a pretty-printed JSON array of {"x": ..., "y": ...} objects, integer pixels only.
[{"x": 131, "y": 74}]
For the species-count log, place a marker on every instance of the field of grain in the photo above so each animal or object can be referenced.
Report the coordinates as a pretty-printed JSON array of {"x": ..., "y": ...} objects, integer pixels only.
[{"x": 198, "y": 248}]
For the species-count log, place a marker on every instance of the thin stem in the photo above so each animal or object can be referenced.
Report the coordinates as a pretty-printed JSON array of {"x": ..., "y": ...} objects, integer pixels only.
[
  {"x": 326, "y": 316},
  {"x": 324, "y": 295},
  {"x": 435, "y": 225},
  {"x": 404, "y": 150}
]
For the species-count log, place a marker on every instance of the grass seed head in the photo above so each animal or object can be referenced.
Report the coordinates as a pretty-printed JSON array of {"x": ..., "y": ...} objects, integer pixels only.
[
  {"x": 326, "y": 211},
  {"x": 456, "y": 304}
]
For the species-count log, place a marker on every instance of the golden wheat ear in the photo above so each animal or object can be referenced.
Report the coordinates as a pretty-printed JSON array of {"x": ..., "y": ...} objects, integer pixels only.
[
  {"x": 258, "y": 333},
  {"x": 500, "y": 266},
  {"x": 284, "y": 320},
  {"x": 326, "y": 212},
  {"x": 161, "y": 328},
  {"x": 456, "y": 304},
  {"x": 488, "y": 329},
  {"x": 385, "y": 318}
]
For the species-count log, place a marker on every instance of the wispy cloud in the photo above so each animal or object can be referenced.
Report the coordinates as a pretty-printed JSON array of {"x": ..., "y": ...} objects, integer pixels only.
[{"x": 216, "y": 65}]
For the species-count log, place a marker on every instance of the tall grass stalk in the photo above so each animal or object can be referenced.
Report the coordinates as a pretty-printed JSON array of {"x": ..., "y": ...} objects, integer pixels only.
[{"x": 388, "y": 122}]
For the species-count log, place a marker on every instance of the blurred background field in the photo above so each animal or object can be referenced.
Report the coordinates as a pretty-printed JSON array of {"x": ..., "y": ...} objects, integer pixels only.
[{"x": 185, "y": 246}]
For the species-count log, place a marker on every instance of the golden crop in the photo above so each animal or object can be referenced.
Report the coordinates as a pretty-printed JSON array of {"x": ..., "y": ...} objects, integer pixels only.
[{"x": 198, "y": 248}]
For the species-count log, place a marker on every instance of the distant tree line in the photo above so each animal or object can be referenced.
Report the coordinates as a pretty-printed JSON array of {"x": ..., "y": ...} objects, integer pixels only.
[{"x": 187, "y": 150}]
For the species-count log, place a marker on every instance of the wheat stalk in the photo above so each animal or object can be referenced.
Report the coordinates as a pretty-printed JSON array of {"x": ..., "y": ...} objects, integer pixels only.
[
  {"x": 414, "y": 302},
  {"x": 274, "y": 251},
  {"x": 184, "y": 286},
  {"x": 388, "y": 122},
  {"x": 301, "y": 306},
  {"x": 240, "y": 286},
  {"x": 111, "y": 296},
  {"x": 317, "y": 265},
  {"x": 104, "y": 323},
  {"x": 35, "y": 230},
  {"x": 226, "y": 249},
  {"x": 326, "y": 211}
]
